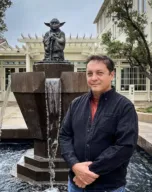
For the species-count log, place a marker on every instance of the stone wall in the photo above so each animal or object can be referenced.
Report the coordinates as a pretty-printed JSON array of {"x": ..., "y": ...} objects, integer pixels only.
[{"x": 145, "y": 117}]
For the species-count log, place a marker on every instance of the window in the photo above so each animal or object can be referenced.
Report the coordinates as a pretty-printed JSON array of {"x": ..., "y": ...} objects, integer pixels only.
[
  {"x": 141, "y": 6},
  {"x": 151, "y": 85},
  {"x": 80, "y": 63},
  {"x": 72, "y": 62},
  {"x": 8, "y": 72},
  {"x": 22, "y": 63},
  {"x": 81, "y": 69},
  {"x": 144, "y": 5},
  {"x": 22, "y": 70},
  {"x": 104, "y": 20},
  {"x": 98, "y": 27},
  {"x": 101, "y": 24},
  {"x": 14, "y": 62},
  {"x": 132, "y": 76},
  {"x": 109, "y": 17},
  {"x": 106, "y": 17}
]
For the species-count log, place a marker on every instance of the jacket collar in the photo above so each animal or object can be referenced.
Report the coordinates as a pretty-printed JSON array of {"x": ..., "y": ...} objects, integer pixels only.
[{"x": 107, "y": 95}]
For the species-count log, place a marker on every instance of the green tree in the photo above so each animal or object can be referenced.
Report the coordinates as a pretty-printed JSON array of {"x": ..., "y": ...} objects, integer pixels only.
[
  {"x": 136, "y": 48},
  {"x": 4, "y": 4}
]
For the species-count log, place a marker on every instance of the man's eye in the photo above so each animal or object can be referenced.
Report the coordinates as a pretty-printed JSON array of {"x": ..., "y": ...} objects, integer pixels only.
[
  {"x": 100, "y": 73},
  {"x": 89, "y": 74}
]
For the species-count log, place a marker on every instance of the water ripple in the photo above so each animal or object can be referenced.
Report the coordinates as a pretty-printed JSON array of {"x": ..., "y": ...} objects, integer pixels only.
[{"x": 139, "y": 175}]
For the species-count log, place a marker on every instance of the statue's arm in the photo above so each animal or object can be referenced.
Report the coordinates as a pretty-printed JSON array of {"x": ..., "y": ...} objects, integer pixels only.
[
  {"x": 62, "y": 38},
  {"x": 46, "y": 38}
]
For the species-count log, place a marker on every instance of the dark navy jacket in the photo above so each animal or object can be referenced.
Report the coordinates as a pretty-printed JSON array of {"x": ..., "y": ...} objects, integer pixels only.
[{"x": 108, "y": 141}]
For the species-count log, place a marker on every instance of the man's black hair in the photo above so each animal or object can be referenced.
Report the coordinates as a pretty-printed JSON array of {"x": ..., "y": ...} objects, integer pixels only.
[{"x": 102, "y": 58}]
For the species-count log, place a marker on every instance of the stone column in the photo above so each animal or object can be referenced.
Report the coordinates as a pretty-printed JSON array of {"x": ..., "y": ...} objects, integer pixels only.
[
  {"x": 28, "y": 62},
  {"x": 75, "y": 67}
]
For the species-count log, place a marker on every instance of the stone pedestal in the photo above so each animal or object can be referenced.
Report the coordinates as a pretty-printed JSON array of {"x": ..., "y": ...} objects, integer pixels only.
[{"x": 53, "y": 70}]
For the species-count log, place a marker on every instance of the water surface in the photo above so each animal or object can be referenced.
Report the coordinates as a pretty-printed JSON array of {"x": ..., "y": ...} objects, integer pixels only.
[{"x": 139, "y": 172}]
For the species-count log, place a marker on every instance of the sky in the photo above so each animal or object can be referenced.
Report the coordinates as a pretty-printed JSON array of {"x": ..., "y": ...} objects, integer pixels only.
[{"x": 28, "y": 17}]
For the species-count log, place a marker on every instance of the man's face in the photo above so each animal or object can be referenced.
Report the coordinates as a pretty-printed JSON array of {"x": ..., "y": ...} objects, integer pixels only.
[{"x": 99, "y": 77}]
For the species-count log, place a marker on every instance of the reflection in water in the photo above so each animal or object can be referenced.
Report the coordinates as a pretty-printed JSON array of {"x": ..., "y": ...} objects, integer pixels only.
[
  {"x": 139, "y": 172},
  {"x": 10, "y": 154},
  {"x": 139, "y": 175}
]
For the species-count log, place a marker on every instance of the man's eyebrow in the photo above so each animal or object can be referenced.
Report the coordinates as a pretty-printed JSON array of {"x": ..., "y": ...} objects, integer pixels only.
[
  {"x": 88, "y": 70},
  {"x": 100, "y": 70}
]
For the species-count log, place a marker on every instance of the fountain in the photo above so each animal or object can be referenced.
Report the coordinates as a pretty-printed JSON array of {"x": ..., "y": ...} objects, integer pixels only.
[
  {"x": 29, "y": 90},
  {"x": 39, "y": 95}
]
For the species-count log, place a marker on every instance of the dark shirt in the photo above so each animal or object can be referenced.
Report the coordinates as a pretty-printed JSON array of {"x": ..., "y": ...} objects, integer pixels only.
[{"x": 108, "y": 141}]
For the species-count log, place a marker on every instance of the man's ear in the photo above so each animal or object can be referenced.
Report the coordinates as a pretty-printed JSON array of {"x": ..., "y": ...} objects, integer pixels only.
[{"x": 112, "y": 73}]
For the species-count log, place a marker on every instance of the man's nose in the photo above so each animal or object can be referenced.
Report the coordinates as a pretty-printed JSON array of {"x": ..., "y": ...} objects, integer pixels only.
[{"x": 94, "y": 77}]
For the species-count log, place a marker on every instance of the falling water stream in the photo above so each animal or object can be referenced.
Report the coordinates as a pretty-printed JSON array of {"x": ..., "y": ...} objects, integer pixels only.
[{"x": 53, "y": 105}]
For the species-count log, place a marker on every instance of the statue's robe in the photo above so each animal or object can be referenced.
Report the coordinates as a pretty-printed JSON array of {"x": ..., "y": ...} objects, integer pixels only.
[{"x": 54, "y": 47}]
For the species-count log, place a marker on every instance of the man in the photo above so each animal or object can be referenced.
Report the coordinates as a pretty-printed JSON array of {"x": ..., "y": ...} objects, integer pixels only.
[
  {"x": 99, "y": 133},
  {"x": 54, "y": 41}
]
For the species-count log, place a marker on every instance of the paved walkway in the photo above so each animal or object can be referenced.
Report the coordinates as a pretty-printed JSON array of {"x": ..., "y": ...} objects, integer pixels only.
[
  {"x": 13, "y": 119},
  {"x": 145, "y": 130}
]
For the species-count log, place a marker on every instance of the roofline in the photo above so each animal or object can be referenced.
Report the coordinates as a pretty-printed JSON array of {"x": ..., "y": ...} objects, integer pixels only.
[
  {"x": 77, "y": 39},
  {"x": 4, "y": 41},
  {"x": 101, "y": 10}
]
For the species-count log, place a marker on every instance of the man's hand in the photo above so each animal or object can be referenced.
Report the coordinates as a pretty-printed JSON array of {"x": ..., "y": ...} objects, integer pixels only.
[
  {"x": 83, "y": 173},
  {"x": 79, "y": 183}
]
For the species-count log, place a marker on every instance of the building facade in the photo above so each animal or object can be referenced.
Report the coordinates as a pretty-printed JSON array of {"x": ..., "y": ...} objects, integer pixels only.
[
  {"x": 125, "y": 75},
  {"x": 105, "y": 24}
]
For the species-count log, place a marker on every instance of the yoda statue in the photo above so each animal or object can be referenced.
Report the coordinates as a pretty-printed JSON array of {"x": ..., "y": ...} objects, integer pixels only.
[{"x": 54, "y": 42}]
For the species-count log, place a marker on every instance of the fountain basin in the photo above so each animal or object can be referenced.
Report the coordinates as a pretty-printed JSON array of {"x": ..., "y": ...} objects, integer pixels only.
[{"x": 138, "y": 177}]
